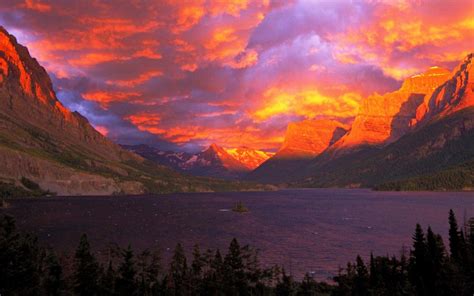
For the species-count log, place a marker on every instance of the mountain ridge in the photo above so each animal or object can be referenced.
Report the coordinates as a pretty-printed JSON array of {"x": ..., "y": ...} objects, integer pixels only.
[
  {"x": 213, "y": 161},
  {"x": 44, "y": 142}
]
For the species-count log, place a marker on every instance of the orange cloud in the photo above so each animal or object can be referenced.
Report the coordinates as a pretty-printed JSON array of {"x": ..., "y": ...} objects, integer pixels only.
[
  {"x": 189, "y": 14},
  {"x": 229, "y": 137},
  {"x": 247, "y": 59},
  {"x": 105, "y": 98},
  {"x": 407, "y": 31},
  {"x": 147, "y": 122},
  {"x": 142, "y": 78},
  {"x": 36, "y": 5},
  {"x": 308, "y": 103},
  {"x": 91, "y": 59},
  {"x": 232, "y": 7}
]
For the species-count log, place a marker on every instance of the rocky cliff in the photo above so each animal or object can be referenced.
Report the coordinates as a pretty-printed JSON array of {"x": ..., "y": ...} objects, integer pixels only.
[
  {"x": 383, "y": 119},
  {"x": 308, "y": 138},
  {"x": 43, "y": 141},
  {"x": 303, "y": 141},
  {"x": 455, "y": 94}
]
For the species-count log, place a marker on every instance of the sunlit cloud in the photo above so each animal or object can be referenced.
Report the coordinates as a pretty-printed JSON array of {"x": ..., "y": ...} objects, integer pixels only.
[{"x": 234, "y": 72}]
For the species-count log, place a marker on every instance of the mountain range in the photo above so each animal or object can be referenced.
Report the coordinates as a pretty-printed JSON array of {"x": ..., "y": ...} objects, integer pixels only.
[
  {"x": 214, "y": 161},
  {"x": 418, "y": 137},
  {"x": 421, "y": 133},
  {"x": 44, "y": 145}
]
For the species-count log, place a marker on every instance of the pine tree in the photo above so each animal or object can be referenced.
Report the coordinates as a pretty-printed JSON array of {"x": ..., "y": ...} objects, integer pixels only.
[
  {"x": 418, "y": 261},
  {"x": 197, "y": 270},
  {"x": 435, "y": 259},
  {"x": 107, "y": 281},
  {"x": 285, "y": 285},
  {"x": 454, "y": 239},
  {"x": 149, "y": 268},
  {"x": 308, "y": 286},
  {"x": 178, "y": 272},
  {"x": 86, "y": 270},
  {"x": 20, "y": 260},
  {"x": 126, "y": 284},
  {"x": 53, "y": 275},
  {"x": 234, "y": 276},
  {"x": 361, "y": 280}
]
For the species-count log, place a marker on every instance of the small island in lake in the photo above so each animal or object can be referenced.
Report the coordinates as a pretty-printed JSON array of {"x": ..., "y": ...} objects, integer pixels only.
[{"x": 240, "y": 208}]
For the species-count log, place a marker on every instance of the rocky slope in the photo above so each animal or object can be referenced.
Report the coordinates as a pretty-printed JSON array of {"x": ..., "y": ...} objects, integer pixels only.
[
  {"x": 440, "y": 145},
  {"x": 303, "y": 141},
  {"x": 308, "y": 138},
  {"x": 215, "y": 161},
  {"x": 43, "y": 141},
  {"x": 383, "y": 119},
  {"x": 440, "y": 137}
]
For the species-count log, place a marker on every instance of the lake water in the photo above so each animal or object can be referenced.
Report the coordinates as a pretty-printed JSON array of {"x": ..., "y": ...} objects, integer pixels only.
[{"x": 307, "y": 230}]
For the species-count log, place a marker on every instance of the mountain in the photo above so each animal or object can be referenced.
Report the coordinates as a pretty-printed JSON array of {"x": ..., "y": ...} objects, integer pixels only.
[
  {"x": 443, "y": 143},
  {"x": 457, "y": 93},
  {"x": 303, "y": 141},
  {"x": 42, "y": 142},
  {"x": 249, "y": 157},
  {"x": 383, "y": 119},
  {"x": 171, "y": 159},
  {"x": 440, "y": 143},
  {"x": 215, "y": 161}
]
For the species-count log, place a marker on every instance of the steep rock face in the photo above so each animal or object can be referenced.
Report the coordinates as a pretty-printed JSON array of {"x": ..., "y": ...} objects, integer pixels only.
[
  {"x": 28, "y": 98},
  {"x": 42, "y": 140},
  {"x": 455, "y": 94},
  {"x": 251, "y": 158},
  {"x": 383, "y": 119},
  {"x": 303, "y": 141},
  {"x": 434, "y": 147},
  {"x": 309, "y": 138}
]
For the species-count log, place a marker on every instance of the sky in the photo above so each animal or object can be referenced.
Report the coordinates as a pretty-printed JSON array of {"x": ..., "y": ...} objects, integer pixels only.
[{"x": 182, "y": 74}]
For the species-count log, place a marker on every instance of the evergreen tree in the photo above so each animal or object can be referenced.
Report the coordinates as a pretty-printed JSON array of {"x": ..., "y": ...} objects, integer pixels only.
[
  {"x": 52, "y": 275},
  {"x": 178, "y": 272},
  {"x": 107, "y": 281},
  {"x": 361, "y": 279},
  {"x": 86, "y": 270},
  {"x": 197, "y": 270},
  {"x": 418, "y": 261},
  {"x": 435, "y": 260},
  {"x": 285, "y": 285},
  {"x": 149, "y": 268},
  {"x": 308, "y": 286},
  {"x": 454, "y": 238},
  {"x": 126, "y": 284},
  {"x": 20, "y": 260},
  {"x": 234, "y": 276}
]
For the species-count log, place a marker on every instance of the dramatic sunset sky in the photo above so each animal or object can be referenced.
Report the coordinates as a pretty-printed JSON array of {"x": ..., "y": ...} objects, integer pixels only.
[{"x": 181, "y": 74}]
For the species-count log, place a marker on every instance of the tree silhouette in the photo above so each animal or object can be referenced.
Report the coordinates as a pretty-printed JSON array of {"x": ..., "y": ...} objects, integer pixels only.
[
  {"x": 126, "y": 284},
  {"x": 86, "y": 270}
]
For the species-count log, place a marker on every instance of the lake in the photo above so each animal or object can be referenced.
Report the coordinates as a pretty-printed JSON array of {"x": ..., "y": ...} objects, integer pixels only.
[{"x": 306, "y": 230}]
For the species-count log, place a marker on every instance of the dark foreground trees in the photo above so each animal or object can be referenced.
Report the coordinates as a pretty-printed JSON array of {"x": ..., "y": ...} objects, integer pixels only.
[{"x": 429, "y": 268}]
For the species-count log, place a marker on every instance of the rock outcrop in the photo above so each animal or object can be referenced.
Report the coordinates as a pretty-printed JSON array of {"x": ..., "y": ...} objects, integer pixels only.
[
  {"x": 383, "y": 119},
  {"x": 43, "y": 141},
  {"x": 308, "y": 138},
  {"x": 304, "y": 140},
  {"x": 455, "y": 94}
]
